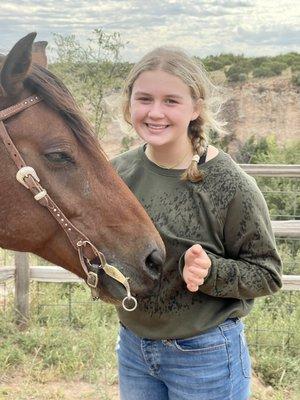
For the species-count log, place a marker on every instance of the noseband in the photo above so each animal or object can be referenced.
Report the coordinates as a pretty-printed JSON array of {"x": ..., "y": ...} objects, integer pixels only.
[{"x": 92, "y": 260}]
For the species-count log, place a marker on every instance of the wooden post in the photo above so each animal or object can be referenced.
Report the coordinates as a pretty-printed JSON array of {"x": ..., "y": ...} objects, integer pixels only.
[{"x": 22, "y": 275}]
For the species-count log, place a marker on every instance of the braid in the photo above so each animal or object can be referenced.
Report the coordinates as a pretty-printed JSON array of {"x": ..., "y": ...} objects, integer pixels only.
[{"x": 199, "y": 143}]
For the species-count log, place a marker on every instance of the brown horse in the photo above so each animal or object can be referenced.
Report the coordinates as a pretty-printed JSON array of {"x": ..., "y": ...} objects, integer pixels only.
[{"x": 54, "y": 138}]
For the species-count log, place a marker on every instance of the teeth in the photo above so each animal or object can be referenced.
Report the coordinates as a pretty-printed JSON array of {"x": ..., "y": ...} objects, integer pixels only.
[{"x": 157, "y": 126}]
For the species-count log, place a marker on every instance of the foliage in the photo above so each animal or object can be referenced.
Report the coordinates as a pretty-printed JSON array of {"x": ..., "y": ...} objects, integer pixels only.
[
  {"x": 263, "y": 72},
  {"x": 222, "y": 142},
  {"x": 214, "y": 63},
  {"x": 267, "y": 150},
  {"x": 296, "y": 80},
  {"x": 274, "y": 339},
  {"x": 239, "y": 68},
  {"x": 78, "y": 342},
  {"x": 239, "y": 71},
  {"x": 73, "y": 343},
  {"x": 269, "y": 68},
  {"x": 127, "y": 142},
  {"x": 90, "y": 71},
  {"x": 282, "y": 194}
]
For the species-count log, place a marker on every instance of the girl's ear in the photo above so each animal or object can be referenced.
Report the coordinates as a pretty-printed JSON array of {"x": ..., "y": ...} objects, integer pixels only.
[{"x": 198, "y": 105}]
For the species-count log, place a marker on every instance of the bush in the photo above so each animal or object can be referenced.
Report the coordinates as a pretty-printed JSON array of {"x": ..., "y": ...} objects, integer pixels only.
[
  {"x": 212, "y": 64},
  {"x": 296, "y": 80},
  {"x": 277, "y": 67},
  {"x": 269, "y": 68},
  {"x": 296, "y": 66},
  {"x": 257, "y": 61},
  {"x": 263, "y": 72},
  {"x": 238, "y": 72},
  {"x": 290, "y": 59}
]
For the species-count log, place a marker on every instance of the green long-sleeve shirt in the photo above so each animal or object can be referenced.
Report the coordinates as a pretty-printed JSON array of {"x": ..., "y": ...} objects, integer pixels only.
[{"x": 228, "y": 216}]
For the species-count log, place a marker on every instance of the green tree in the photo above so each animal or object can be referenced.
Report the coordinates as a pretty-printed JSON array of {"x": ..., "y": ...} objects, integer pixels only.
[{"x": 91, "y": 71}]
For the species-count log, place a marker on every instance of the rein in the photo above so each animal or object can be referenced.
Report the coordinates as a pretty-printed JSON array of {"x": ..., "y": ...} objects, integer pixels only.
[{"x": 91, "y": 259}]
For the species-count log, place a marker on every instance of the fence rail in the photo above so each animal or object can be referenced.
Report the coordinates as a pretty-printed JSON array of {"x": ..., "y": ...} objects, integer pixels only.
[
  {"x": 57, "y": 274},
  {"x": 272, "y": 170}
]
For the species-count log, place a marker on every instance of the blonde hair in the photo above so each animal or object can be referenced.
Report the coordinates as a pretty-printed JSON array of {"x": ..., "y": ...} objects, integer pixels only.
[{"x": 176, "y": 62}]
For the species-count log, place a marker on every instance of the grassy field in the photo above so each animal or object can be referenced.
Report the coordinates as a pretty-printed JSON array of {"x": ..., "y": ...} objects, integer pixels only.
[{"x": 68, "y": 350}]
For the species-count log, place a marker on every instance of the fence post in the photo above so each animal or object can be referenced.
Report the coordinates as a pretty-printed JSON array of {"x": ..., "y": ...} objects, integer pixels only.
[{"x": 22, "y": 289}]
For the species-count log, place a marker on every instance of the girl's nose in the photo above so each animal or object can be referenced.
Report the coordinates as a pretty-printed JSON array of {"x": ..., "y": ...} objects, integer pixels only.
[{"x": 156, "y": 111}]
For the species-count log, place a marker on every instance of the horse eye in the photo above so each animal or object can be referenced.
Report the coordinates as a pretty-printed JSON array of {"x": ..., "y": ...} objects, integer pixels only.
[{"x": 59, "y": 157}]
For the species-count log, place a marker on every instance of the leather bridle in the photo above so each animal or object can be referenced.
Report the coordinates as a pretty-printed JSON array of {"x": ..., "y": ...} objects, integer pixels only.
[{"x": 92, "y": 260}]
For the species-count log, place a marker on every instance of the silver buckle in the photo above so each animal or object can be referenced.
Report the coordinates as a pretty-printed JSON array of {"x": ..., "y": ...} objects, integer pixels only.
[{"x": 24, "y": 173}]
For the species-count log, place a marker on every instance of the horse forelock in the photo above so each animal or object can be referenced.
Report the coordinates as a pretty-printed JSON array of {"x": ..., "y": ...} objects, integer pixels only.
[{"x": 42, "y": 82}]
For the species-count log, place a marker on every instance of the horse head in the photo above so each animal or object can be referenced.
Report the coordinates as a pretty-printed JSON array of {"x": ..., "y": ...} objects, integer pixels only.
[{"x": 54, "y": 138}]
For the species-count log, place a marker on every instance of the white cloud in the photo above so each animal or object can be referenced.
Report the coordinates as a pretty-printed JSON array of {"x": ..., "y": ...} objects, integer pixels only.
[{"x": 203, "y": 27}]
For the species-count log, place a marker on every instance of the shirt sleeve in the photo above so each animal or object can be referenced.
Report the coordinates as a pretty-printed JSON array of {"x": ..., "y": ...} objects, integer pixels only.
[{"x": 251, "y": 266}]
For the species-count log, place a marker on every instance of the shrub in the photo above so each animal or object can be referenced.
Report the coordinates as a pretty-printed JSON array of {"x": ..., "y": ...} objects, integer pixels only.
[
  {"x": 296, "y": 80},
  {"x": 262, "y": 72},
  {"x": 238, "y": 72}
]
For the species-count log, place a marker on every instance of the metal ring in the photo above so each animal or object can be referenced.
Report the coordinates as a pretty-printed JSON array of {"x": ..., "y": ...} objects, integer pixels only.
[{"x": 134, "y": 303}]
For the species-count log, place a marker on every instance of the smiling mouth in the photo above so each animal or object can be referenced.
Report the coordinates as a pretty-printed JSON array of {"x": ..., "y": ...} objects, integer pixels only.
[{"x": 157, "y": 127}]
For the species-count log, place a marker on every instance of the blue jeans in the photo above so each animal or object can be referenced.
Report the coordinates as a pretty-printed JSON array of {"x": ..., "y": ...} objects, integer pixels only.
[{"x": 214, "y": 365}]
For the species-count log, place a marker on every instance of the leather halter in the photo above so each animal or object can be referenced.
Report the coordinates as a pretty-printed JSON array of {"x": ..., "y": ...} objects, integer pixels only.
[{"x": 87, "y": 252}]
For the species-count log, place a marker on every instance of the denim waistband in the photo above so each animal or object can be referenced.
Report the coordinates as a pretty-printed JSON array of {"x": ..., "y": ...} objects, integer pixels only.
[{"x": 226, "y": 325}]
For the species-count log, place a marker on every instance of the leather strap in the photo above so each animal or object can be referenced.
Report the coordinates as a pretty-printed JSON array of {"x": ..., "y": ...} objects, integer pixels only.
[
  {"x": 16, "y": 108},
  {"x": 33, "y": 184},
  {"x": 86, "y": 250}
]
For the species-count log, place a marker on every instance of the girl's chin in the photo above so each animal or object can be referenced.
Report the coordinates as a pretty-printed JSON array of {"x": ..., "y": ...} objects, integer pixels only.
[{"x": 155, "y": 139}]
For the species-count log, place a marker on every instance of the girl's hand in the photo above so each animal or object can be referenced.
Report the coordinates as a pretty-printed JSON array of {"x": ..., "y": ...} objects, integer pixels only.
[{"x": 197, "y": 265}]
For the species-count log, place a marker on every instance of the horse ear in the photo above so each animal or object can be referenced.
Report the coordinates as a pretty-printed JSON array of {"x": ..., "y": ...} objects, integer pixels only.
[
  {"x": 39, "y": 55},
  {"x": 16, "y": 65}
]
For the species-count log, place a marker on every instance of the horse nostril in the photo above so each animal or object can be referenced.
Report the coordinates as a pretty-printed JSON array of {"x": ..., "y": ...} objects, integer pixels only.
[{"x": 154, "y": 263}]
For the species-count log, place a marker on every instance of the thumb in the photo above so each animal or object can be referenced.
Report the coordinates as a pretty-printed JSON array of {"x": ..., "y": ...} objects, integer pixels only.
[{"x": 196, "y": 249}]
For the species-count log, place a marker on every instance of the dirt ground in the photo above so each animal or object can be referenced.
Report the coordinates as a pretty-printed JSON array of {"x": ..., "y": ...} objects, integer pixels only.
[{"x": 20, "y": 388}]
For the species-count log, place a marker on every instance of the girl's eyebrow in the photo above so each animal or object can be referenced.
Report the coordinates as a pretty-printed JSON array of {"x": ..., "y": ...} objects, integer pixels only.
[
  {"x": 176, "y": 96},
  {"x": 141, "y": 94}
]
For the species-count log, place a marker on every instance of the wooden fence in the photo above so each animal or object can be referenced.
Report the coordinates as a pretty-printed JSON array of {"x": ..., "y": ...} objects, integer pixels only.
[{"x": 22, "y": 273}]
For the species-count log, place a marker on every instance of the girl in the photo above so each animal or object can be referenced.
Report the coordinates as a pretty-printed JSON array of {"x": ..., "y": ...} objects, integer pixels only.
[{"x": 186, "y": 340}]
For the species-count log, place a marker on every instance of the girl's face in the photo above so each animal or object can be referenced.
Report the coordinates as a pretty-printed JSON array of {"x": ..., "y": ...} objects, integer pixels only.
[{"x": 161, "y": 108}]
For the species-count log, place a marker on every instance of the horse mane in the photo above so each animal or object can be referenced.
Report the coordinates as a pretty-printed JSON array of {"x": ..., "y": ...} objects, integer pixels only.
[{"x": 42, "y": 82}]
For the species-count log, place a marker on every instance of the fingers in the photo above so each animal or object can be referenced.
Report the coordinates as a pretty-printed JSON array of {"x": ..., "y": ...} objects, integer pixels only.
[
  {"x": 197, "y": 273},
  {"x": 197, "y": 279},
  {"x": 197, "y": 265},
  {"x": 192, "y": 288},
  {"x": 195, "y": 282},
  {"x": 194, "y": 278}
]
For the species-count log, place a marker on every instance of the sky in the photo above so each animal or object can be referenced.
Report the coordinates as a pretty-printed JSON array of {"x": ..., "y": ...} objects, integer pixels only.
[{"x": 201, "y": 27}]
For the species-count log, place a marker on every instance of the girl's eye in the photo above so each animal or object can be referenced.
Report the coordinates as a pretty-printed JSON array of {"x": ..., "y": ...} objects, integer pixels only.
[
  {"x": 171, "y": 101},
  {"x": 144, "y": 99},
  {"x": 59, "y": 158}
]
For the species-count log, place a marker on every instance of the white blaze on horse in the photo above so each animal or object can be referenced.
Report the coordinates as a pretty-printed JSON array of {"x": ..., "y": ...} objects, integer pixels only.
[{"x": 68, "y": 204}]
